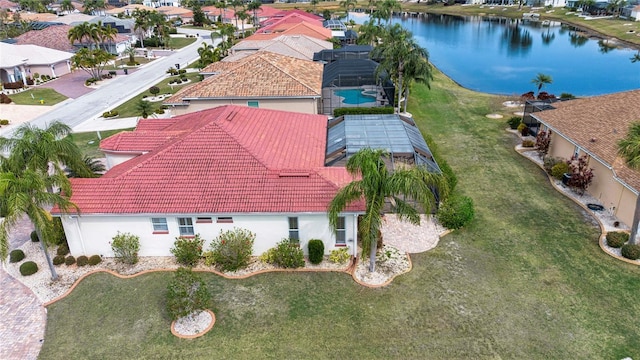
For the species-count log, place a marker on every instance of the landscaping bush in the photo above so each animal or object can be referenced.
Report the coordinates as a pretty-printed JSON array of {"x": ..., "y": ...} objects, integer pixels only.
[
  {"x": 316, "y": 251},
  {"x": 232, "y": 249},
  {"x": 159, "y": 111},
  {"x": 523, "y": 129},
  {"x": 82, "y": 260},
  {"x": 154, "y": 90},
  {"x": 362, "y": 110},
  {"x": 581, "y": 174},
  {"x": 456, "y": 212},
  {"x": 559, "y": 169},
  {"x": 339, "y": 256},
  {"x": 4, "y": 122},
  {"x": 549, "y": 162},
  {"x": 125, "y": 248},
  {"x": 63, "y": 250},
  {"x": 528, "y": 143},
  {"x": 4, "y": 99},
  {"x": 16, "y": 255},
  {"x": 58, "y": 260},
  {"x": 186, "y": 293},
  {"x": 187, "y": 250},
  {"x": 69, "y": 260},
  {"x": 58, "y": 237},
  {"x": 616, "y": 239},
  {"x": 109, "y": 114},
  {"x": 514, "y": 122},
  {"x": 286, "y": 254},
  {"x": 13, "y": 85},
  {"x": 631, "y": 251},
  {"x": 28, "y": 268},
  {"x": 543, "y": 142},
  {"x": 34, "y": 236},
  {"x": 29, "y": 81},
  {"x": 112, "y": 72},
  {"x": 567, "y": 96},
  {"x": 182, "y": 71},
  {"x": 95, "y": 260}
]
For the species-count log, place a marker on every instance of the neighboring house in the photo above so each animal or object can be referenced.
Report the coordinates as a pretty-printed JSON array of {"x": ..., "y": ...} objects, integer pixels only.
[
  {"x": 354, "y": 83},
  {"x": 74, "y": 18},
  {"x": 21, "y": 61},
  {"x": 172, "y": 12},
  {"x": 265, "y": 80},
  {"x": 128, "y": 9},
  {"x": 215, "y": 14},
  {"x": 345, "y": 52},
  {"x": 56, "y": 37},
  {"x": 205, "y": 172},
  {"x": 124, "y": 26},
  {"x": 545, "y": 3},
  {"x": 9, "y": 5},
  {"x": 291, "y": 15},
  {"x": 297, "y": 46},
  {"x": 593, "y": 126},
  {"x": 159, "y": 3},
  {"x": 631, "y": 12},
  {"x": 43, "y": 17},
  {"x": 314, "y": 30}
]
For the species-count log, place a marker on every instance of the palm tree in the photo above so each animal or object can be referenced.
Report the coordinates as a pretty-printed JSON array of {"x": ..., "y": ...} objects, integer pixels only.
[
  {"x": 417, "y": 69},
  {"x": 369, "y": 33},
  {"x": 348, "y": 5},
  {"x": 82, "y": 32},
  {"x": 95, "y": 166},
  {"x": 377, "y": 186},
  {"x": 235, "y": 4},
  {"x": 541, "y": 80},
  {"x": 222, "y": 5},
  {"x": 67, "y": 6},
  {"x": 144, "y": 108},
  {"x": 242, "y": 15},
  {"x": 385, "y": 8},
  {"x": 131, "y": 52},
  {"x": 254, "y": 6},
  {"x": 315, "y": 3},
  {"x": 629, "y": 149},
  {"x": 142, "y": 23},
  {"x": 104, "y": 34}
]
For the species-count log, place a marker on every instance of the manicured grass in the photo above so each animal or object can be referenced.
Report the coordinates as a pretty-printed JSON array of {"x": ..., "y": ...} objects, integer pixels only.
[
  {"x": 88, "y": 142},
  {"x": 525, "y": 280},
  {"x": 180, "y": 42},
  {"x": 34, "y": 95},
  {"x": 129, "y": 108}
]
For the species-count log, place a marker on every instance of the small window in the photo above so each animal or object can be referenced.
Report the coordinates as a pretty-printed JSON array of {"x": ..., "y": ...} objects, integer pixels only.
[
  {"x": 224, "y": 220},
  {"x": 294, "y": 232},
  {"x": 252, "y": 104},
  {"x": 203, "y": 220},
  {"x": 186, "y": 226},
  {"x": 341, "y": 232},
  {"x": 576, "y": 152},
  {"x": 159, "y": 225}
]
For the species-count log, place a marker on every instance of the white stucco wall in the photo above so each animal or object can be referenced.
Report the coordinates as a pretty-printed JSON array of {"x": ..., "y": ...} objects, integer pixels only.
[
  {"x": 113, "y": 159},
  {"x": 91, "y": 234}
]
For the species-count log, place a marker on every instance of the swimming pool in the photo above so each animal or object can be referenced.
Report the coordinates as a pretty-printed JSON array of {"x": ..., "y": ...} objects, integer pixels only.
[{"x": 354, "y": 96}]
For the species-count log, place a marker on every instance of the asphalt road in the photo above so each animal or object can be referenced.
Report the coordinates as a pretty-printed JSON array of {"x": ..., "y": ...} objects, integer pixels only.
[{"x": 90, "y": 106}]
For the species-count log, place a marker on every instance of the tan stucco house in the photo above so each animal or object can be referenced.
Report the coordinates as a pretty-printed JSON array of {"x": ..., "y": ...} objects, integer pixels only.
[
  {"x": 593, "y": 126},
  {"x": 263, "y": 80}
]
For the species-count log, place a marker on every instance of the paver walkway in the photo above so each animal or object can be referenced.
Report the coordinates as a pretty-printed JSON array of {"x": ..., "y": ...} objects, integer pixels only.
[{"x": 22, "y": 316}]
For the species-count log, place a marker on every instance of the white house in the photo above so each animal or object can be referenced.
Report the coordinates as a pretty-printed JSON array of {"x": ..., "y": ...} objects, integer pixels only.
[{"x": 203, "y": 172}]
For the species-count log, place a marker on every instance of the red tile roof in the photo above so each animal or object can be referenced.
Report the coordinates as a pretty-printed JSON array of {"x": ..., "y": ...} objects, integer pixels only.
[
  {"x": 230, "y": 159},
  {"x": 302, "y": 28}
]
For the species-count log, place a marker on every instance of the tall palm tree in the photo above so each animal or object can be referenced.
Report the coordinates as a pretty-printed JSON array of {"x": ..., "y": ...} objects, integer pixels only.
[
  {"x": 377, "y": 186},
  {"x": 385, "y": 8},
  {"x": 242, "y": 16},
  {"x": 629, "y": 149},
  {"x": 104, "y": 34},
  {"x": 67, "y": 6},
  {"x": 348, "y": 5},
  {"x": 142, "y": 23},
  {"x": 369, "y": 33},
  {"x": 417, "y": 69},
  {"x": 84, "y": 33},
  {"x": 221, "y": 4},
  {"x": 254, "y": 6},
  {"x": 25, "y": 193},
  {"x": 235, "y": 4},
  {"x": 541, "y": 80}
]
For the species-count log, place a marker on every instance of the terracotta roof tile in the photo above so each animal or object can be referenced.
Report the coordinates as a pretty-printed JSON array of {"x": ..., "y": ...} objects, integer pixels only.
[
  {"x": 302, "y": 28},
  {"x": 230, "y": 160},
  {"x": 262, "y": 74},
  {"x": 597, "y": 124}
]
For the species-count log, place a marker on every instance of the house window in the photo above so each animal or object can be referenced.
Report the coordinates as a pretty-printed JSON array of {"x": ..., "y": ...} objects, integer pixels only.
[
  {"x": 576, "y": 152},
  {"x": 186, "y": 226},
  {"x": 341, "y": 232},
  {"x": 160, "y": 225},
  {"x": 203, "y": 220},
  {"x": 252, "y": 104},
  {"x": 294, "y": 232},
  {"x": 224, "y": 220}
]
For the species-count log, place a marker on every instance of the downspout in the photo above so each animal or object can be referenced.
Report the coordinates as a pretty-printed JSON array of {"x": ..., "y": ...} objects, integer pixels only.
[{"x": 355, "y": 236}]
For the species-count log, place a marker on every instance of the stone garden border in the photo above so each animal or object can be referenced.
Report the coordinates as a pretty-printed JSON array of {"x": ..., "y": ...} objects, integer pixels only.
[{"x": 213, "y": 321}]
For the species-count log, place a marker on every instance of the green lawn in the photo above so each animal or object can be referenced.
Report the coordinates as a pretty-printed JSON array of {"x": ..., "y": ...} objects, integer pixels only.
[
  {"x": 525, "y": 280},
  {"x": 129, "y": 108},
  {"x": 34, "y": 95},
  {"x": 88, "y": 142},
  {"x": 180, "y": 42}
]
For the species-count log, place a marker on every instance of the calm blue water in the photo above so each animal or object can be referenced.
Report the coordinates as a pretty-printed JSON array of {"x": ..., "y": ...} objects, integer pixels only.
[
  {"x": 501, "y": 56},
  {"x": 353, "y": 96}
]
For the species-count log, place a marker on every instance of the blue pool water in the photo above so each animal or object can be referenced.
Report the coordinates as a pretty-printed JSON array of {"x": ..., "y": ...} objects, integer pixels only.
[{"x": 353, "y": 96}]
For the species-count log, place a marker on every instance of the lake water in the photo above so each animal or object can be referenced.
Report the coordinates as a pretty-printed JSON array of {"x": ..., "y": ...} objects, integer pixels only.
[{"x": 501, "y": 56}]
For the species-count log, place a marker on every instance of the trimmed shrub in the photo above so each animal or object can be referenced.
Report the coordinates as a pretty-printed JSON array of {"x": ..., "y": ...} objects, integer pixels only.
[
  {"x": 316, "y": 251},
  {"x": 286, "y": 254},
  {"x": 559, "y": 169},
  {"x": 528, "y": 143},
  {"x": 567, "y": 96},
  {"x": 159, "y": 111},
  {"x": 63, "y": 250},
  {"x": 188, "y": 250},
  {"x": 232, "y": 249},
  {"x": 16, "y": 255},
  {"x": 4, "y": 99},
  {"x": 339, "y": 256},
  {"x": 182, "y": 71},
  {"x": 616, "y": 239},
  {"x": 549, "y": 162},
  {"x": 631, "y": 251},
  {"x": 34, "y": 236},
  {"x": 125, "y": 248},
  {"x": 514, "y": 121},
  {"x": 28, "y": 268},
  {"x": 523, "y": 129},
  {"x": 154, "y": 90},
  {"x": 69, "y": 260},
  {"x": 82, "y": 260},
  {"x": 186, "y": 293},
  {"x": 110, "y": 114},
  {"x": 362, "y": 110},
  {"x": 58, "y": 260},
  {"x": 95, "y": 260},
  {"x": 4, "y": 122},
  {"x": 456, "y": 212}
]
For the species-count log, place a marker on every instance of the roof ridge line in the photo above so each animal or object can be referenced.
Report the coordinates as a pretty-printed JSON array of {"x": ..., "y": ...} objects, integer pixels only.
[{"x": 287, "y": 73}]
